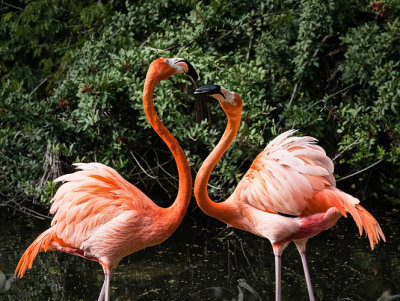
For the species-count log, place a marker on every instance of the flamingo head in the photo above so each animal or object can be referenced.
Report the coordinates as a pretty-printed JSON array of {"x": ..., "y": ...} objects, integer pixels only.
[
  {"x": 164, "y": 68},
  {"x": 230, "y": 101}
]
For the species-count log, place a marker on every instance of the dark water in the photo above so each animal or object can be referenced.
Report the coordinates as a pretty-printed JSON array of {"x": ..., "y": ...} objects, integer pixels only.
[{"x": 204, "y": 260}]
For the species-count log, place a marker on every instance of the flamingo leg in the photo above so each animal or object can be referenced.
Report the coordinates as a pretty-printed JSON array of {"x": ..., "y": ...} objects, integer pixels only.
[
  {"x": 307, "y": 275},
  {"x": 107, "y": 286},
  {"x": 278, "y": 264},
  {"x": 101, "y": 296},
  {"x": 105, "y": 290}
]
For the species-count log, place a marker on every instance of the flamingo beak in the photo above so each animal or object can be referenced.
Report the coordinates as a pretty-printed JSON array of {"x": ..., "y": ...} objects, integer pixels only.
[
  {"x": 209, "y": 90},
  {"x": 191, "y": 71}
]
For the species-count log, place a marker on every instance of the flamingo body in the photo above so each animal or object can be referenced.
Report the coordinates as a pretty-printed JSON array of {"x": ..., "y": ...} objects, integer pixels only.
[
  {"x": 291, "y": 176},
  {"x": 95, "y": 213},
  {"x": 100, "y": 216},
  {"x": 294, "y": 176}
]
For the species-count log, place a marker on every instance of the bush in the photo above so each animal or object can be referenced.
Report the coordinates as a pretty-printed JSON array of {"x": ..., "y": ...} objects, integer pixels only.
[{"x": 328, "y": 68}]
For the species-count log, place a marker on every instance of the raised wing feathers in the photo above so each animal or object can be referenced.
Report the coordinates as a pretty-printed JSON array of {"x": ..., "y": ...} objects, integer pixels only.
[
  {"x": 89, "y": 198},
  {"x": 286, "y": 174}
]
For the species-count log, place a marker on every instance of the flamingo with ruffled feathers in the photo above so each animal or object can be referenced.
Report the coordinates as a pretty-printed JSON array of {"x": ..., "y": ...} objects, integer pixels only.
[
  {"x": 102, "y": 217},
  {"x": 288, "y": 194}
]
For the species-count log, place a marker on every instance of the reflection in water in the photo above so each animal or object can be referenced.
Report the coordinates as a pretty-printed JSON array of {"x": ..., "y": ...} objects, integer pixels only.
[
  {"x": 211, "y": 262},
  {"x": 5, "y": 282}
]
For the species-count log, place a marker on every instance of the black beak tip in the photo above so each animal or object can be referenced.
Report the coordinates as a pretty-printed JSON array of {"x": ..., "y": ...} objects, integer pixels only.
[
  {"x": 191, "y": 71},
  {"x": 207, "y": 90}
]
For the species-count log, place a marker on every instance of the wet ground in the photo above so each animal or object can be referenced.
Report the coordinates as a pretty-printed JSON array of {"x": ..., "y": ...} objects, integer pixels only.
[{"x": 205, "y": 260}]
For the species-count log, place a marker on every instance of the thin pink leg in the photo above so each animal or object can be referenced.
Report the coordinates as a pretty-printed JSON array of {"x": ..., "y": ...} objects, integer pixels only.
[
  {"x": 101, "y": 296},
  {"x": 307, "y": 274},
  {"x": 105, "y": 290},
  {"x": 107, "y": 287},
  {"x": 278, "y": 264}
]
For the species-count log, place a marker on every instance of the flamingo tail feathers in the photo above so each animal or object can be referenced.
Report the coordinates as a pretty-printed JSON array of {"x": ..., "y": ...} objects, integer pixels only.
[
  {"x": 371, "y": 226},
  {"x": 41, "y": 243},
  {"x": 363, "y": 219}
]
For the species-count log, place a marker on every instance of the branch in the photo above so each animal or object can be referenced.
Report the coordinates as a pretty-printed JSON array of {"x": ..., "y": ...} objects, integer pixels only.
[
  {"x": 117, "y": 31},
  {"x": 223, "y": 36},
  {"x": 13, "y": 6},
  {"x": 330, "y": 96},
  {"x": 346, "y": 148},
  {"x": 249, "y": 50},
  {"x": 246, "y": 23},
  {"x": 38, "y": 86},
  {"x": 293, "y": 94},
  {"x": 141, "y": 167},
  {"x": 28, "y": 211},
  {"x": 12, "y": 203},
  {"x": 360, "y": 171},
  {"x": 145, "y": 41},
  {"x": 289, "y": 104}
]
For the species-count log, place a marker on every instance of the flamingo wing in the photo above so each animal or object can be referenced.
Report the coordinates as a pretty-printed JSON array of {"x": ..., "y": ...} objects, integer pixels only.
[
  {"x": 90, "y": 198},
  {"x": 284, "y": 177}
]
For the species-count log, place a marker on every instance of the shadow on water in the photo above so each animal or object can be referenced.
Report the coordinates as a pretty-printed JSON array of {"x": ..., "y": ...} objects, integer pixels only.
[{"x": 205, "y": 260}]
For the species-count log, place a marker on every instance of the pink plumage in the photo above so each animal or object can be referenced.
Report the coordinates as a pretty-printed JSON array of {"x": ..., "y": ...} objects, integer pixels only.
[
  {"x": 100, "y": 216},
  {"x": 291, "y": 176},
  {"x": 294, "y": 176},
  {"x": 95, "y": 211},
  {"x": 286, "y": 174}
]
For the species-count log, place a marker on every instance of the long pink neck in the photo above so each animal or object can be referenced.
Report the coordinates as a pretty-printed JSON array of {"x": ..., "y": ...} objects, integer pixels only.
[
  {"x": 177, "y": 210},
  {"x": 221, "y": 211}
]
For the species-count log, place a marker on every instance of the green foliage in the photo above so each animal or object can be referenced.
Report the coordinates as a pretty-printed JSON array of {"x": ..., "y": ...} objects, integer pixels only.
[{"x": 72, "y": 78}]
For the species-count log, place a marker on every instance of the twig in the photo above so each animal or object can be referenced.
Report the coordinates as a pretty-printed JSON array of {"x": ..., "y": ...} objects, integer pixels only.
[
  {"x": 141, "y": 167},
  {"x": 145, "y": 41},
  {"x": 214, "y": 187},
  {"x": 223, "y": 36},
  {"x": 156, "y": 49},
  {"x": 330, "y": 96},
  {"x": 164, "y": 170},
  {"x": 13, "y": 6},
  {"x": 69, "y": 41},
  {"x": 243, "y": 252},
  {"x": 250, "y": 45},
  {"x": 117, "y": 31},
  {"x": 360, "y": 171},
  {"x": 139, "y": 173},
  {"x": 111, "y": 36},
  {"x": 293, "y": 94},
  {"x": 248, "y": 22},
  {"x": 194, "y": 139},
  {"x": 168, "y": 179},
  {"x": 346, "y": 148},
  {"x": 38, "y": 86},
  {"x": 289, "y": 104},
  {"x": 28, "y": 211},
  {"x": 175, "y": 46},
  {"x": 323, "y": 40}
]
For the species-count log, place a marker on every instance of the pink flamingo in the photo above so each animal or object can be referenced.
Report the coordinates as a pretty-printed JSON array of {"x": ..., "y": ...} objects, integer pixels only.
[
  {"x": 292, "y": 176},
  {"x": 102, "y": 217}
]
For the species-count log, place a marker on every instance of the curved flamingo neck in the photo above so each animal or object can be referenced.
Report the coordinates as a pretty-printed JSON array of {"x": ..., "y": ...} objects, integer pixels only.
[
  {"x": 177, "y": 210},
  {"x": 221, "y": 211}
]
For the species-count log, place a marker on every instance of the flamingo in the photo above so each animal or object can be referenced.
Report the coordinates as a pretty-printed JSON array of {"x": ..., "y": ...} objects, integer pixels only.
[
  {"x": 102, "y": 217},
  {"x": 288, "y": 194}
]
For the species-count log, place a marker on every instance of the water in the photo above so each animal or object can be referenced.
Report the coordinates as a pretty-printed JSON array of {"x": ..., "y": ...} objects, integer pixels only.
[{"x": 205, "y": 260}]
